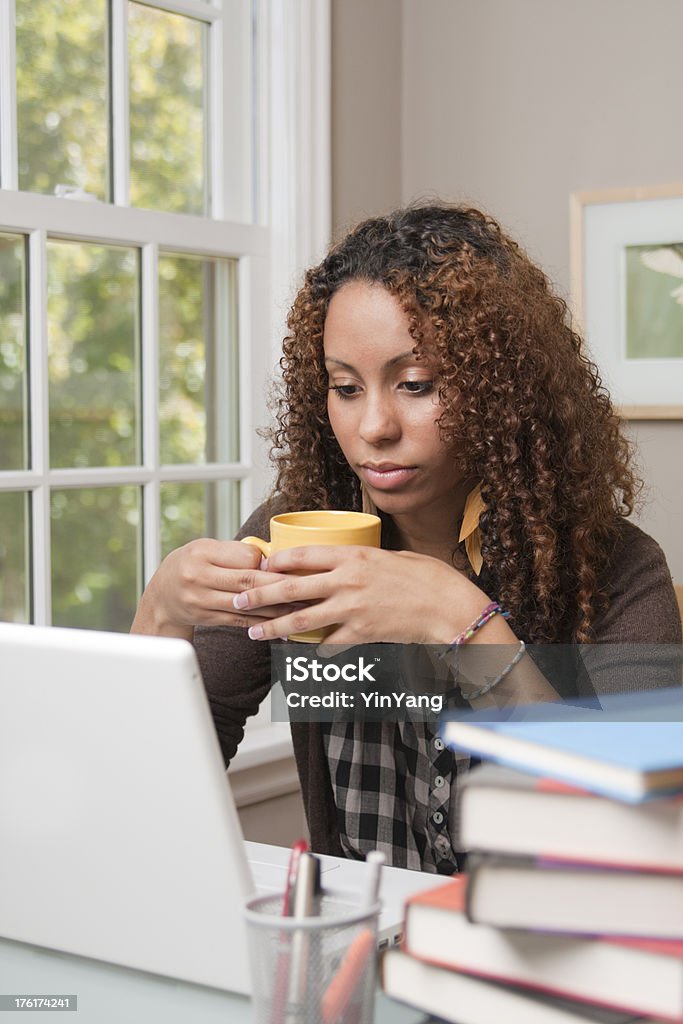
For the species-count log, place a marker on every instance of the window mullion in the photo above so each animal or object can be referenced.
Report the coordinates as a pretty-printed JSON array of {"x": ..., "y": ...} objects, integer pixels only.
[
  {"x": 198, "y": 9},
  {"x": 8, "y": 97},
  {"x": 149, "y": 299},
  {"x": 40, "y": 428},
  {"x": 120, "y": 127},
  {"x": 230, "y": 104},
  {"x": 101, "y": 222},
  {"x": 215, "y": 135}
]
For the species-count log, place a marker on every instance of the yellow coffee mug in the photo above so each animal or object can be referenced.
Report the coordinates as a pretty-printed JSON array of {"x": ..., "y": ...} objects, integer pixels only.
[{"x": 301, "y": 529}]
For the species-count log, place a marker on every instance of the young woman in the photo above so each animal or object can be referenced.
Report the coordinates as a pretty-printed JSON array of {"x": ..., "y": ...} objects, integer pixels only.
[{"x": 431, "y": 374}]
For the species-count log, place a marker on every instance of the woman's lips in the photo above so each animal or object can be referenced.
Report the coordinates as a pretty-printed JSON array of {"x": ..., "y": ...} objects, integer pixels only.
[{"x": 387, "y": 476}]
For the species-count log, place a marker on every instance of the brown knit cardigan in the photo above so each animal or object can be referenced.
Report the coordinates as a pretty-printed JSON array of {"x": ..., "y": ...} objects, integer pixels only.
[{"x": 236, "y": 670}]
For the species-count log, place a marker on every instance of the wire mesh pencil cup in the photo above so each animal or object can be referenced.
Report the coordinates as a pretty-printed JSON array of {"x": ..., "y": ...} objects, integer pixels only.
[{"x": 312, "y": 970}]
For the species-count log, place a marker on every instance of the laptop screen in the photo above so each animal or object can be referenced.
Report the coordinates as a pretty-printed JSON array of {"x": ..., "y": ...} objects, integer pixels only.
[{"x": 119, "y": 838}]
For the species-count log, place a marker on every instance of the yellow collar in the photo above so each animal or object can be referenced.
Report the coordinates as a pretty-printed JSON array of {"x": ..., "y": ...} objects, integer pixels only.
[{"x": 469, "y": 531}]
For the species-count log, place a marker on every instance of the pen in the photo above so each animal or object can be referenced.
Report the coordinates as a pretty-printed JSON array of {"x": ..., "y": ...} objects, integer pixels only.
[
  {"x": 299, "y": 847},
  {"x": 307, "y": 887},
  {"x": 282, "y": 967},
  {"x": 306, "y": 904}
]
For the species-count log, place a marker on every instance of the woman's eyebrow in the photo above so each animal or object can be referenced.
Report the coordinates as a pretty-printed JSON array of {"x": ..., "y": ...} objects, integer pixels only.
[{"x": 389, "y": 362}]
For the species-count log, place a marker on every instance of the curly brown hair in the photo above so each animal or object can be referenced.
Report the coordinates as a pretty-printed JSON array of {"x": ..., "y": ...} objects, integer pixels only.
[{"x": 524, "y": 409}]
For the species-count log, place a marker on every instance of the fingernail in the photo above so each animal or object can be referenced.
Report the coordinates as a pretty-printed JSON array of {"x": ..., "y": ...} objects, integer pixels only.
[
  {"x": 255, "y": 632},
  {"x": 240, "y": 601}
]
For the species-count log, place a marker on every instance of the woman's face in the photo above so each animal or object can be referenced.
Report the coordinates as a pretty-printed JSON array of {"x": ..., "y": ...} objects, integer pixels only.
[{"x": 383, "y": 406}]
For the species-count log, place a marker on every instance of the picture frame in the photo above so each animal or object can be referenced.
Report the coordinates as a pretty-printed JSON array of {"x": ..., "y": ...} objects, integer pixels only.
[{"x": 626, "y": 250}]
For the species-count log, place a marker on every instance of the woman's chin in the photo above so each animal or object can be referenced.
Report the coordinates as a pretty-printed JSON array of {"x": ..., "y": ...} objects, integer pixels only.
[{"x": 393, "y": 504}]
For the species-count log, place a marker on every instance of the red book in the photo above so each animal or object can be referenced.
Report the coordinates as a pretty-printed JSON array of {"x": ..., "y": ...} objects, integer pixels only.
[{"x": 639, "y": 976}]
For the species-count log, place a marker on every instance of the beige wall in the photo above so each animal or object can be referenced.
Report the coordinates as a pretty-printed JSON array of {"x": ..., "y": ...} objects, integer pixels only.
[
  {"x": 366, "y": 109},
  {"x": 513, "y": 104}
]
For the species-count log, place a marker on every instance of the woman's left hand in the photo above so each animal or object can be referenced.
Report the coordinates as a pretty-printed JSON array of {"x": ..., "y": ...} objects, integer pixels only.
[{"x": 370, "y": 595}]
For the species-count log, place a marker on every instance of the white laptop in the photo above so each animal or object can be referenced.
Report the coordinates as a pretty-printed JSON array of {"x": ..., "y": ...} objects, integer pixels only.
[{"x": 119, "y": 838}]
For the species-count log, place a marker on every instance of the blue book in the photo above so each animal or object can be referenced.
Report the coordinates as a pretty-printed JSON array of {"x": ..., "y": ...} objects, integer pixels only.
[{"x": 630, "y": 747}]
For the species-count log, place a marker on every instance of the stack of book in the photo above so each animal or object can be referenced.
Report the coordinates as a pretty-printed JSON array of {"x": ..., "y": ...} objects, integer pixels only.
[{"x": 572, "y": 906}]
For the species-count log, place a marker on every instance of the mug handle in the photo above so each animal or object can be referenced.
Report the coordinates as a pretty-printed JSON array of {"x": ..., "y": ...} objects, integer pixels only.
[{"x": 256, "y": 542}]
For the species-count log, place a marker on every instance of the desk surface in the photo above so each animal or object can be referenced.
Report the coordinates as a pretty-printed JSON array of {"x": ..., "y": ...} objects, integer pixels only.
[{"x": 108, "y": 994}]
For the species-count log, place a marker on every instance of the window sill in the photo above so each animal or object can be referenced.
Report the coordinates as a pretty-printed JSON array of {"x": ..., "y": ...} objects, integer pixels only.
[{"x": 262, "y": 745}]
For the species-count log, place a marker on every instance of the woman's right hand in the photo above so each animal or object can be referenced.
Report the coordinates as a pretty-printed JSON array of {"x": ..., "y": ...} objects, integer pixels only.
[{"x": 195, "y": 586}]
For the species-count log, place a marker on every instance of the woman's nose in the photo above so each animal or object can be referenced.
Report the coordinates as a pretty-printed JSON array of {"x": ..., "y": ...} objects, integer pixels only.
[{"x": 379, "y": 421}]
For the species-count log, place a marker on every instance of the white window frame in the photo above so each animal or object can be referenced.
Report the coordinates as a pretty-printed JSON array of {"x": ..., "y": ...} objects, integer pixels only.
[
  {"x": 270, "y": 211},
  {"x": 40, "y": 217}
]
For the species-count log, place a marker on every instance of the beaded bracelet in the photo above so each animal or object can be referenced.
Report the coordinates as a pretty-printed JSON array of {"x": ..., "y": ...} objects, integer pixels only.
[
  {"x": 488, "y": 613},
  {"x": 474, "y": 694}
]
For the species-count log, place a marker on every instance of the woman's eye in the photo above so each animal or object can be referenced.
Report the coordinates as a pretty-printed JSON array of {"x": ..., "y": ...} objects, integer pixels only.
[
  {"x": 344, "y": 390},
  {"x": 417, "y": 387}
]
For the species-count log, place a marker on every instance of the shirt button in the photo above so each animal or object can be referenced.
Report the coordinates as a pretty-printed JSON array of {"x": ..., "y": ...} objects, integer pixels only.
[
  {"x": 439, "y": 781},
  {"x": 438, "y": 744},
  {"x": 437, "y": 818}
]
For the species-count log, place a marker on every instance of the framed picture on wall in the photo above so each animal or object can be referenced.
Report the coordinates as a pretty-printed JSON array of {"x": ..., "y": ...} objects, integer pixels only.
[{"x": 627, "y": 293}]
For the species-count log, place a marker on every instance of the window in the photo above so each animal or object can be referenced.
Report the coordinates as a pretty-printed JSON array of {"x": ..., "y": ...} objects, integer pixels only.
[
  {"x": 133, "y": 346},
  {"x": 164, "y": 178}
]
